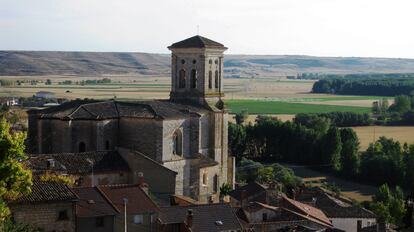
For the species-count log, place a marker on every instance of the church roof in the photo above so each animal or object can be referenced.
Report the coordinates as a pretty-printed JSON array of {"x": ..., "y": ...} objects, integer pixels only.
[
  {"x": 97, "y": 110},
  {"x": 197, "y": 42}
]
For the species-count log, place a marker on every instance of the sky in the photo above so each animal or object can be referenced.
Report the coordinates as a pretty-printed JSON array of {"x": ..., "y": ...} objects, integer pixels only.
[{"x": 360, "y": 28}]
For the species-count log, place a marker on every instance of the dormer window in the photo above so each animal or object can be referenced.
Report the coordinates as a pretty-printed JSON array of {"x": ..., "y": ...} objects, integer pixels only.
[{"x": 181, "y": 80}]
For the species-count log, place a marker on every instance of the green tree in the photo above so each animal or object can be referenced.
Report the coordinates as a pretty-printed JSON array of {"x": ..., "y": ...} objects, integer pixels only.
[
  {"x": 389, "y": 205},
  {"x": 241, "y": 117},
  {"x": 48, "y": 82},
  {"x": 349, "y": 152},
  {"x": 332, "y": 149},
  {"x": 14, "y": 178},
  {"x": 225, "y": 189},
  {"x": 402, "y": 104},
  {"x": 265, "y": 174}
]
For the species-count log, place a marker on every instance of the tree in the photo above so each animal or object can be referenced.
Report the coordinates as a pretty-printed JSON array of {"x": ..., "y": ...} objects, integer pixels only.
[
  {"x": 48, "y": 82},
  {"x": 389, "y": 205},
  {"x": 14, "y": 178},
  {"x": 402, "y": 104},
  {"x": 349, "y": 152},
  {"x": 332, "y": 149},
  {"x": 265, "y": 174},
  {"x": 241, "y": 117},
  {"x": 225, "y": 189}
]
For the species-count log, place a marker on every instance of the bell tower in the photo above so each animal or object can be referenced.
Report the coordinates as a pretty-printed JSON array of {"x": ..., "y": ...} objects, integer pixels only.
[{"x": 197, "y": 71}]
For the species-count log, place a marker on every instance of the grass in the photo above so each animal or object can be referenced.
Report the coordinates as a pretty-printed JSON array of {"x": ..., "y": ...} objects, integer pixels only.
[{"x": 282, "y": 107}]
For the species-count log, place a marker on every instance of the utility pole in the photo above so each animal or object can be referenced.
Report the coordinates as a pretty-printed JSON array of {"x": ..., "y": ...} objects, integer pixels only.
[
  {"x": 92, "y": 181},
  {"x": 125, "y": 214}
]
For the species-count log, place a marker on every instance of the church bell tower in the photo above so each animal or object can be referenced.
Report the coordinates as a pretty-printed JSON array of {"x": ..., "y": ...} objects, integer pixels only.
[{"x": 197, "y": 71}]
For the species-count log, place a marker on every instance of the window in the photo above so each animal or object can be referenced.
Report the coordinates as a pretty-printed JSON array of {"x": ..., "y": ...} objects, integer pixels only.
[
  {"x": 264, "y": 217},
  {"x": 82, "y": 147},
  {"x": 215, "y": 183},
  {"x": 216, "y": 80},
  {"x": 210, "y": 61},
  {"x": 194, "y": 61},
  {"x": 193, "y": 78},
  {"x": 177, "y": 142},
  {"x": 210, "y": 79},
  {"x": 107, "y": 145},
  {"x": 181, "y": 80},
  {"x": 138, "y": 219},
  {"x": 216, "y": 61},
  {"x": 182, "y": 61},
  {"x": 100, "y": 222},
  {"x": 63, "y": 215},
  {"x": 205, "y": 178}
]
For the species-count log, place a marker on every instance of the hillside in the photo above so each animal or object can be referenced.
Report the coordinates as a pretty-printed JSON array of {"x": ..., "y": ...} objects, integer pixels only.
[{"x": 16, "y": 63}]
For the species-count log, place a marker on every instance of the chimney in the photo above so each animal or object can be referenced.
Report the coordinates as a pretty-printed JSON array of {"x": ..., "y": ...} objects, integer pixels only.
[
  {"x": 50, "y": 163},
  {"x": 190, "y": 218},
  {"x": 141, "y": 182}
]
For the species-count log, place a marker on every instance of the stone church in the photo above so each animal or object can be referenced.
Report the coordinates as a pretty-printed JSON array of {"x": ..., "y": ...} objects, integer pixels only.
[{"x": 179, "y": 143}]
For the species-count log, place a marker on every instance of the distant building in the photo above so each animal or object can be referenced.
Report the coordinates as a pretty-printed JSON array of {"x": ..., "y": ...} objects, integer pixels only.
[
  {"x": 9, "y": 101},
  {"x": 50, "y": 206},
  {"x": 45, "y": 95}
]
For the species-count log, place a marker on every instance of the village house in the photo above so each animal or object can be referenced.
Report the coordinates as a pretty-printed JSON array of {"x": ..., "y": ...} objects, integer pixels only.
[
  {"x": 341, "y": 213},
  {"x": 201, "y": 218},
  {"x": 183, "y": 139},
  {"x": 50, "y": 206}
]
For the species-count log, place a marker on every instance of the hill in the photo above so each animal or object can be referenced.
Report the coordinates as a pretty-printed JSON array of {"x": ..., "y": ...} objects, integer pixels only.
[{"x": 18, "y": 63}]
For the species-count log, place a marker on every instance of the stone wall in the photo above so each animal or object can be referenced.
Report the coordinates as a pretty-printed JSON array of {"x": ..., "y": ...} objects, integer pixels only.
[
  {"x": 143, "y": 135},
  {"x": 45, "y": 216},
  {"x": 89, "y": 224}
]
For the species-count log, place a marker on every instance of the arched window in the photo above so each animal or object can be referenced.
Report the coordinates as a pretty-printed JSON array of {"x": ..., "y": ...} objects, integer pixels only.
[
  {"x": 193, "y": 78},
  {"x": 81, "y": 147},
  {"x": 205, "y": 178},
  {"x": 177, "y": 143},
  {"x": 216, "y": 80},
  {"x": 107, "y": 145},
  {"x": 181, "y": 80},
  {"x": 210, "y": 79}
]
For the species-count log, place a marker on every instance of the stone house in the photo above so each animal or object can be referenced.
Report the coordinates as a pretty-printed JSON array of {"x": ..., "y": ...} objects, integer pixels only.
[
  {"x": 186, "y": 134},
  {"x": 341, "y": 213},
  {"x": 86, "y": 168},
  {"x": 201, "y": 218},
  {"x": 141, "y": 211},
  {"x": 94, "y": 212},
  {"x": 50, "y": 206}
]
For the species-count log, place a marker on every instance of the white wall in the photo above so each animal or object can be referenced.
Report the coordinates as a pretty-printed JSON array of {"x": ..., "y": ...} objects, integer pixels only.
[{"x": 350, "y": 224}]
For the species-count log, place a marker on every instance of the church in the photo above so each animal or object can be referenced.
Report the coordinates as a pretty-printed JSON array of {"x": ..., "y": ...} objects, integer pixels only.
[{"x": 180, "y": 145}]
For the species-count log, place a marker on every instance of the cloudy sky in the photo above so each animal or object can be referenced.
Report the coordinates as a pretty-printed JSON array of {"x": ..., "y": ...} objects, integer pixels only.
[{"x": 370, "y": 28}]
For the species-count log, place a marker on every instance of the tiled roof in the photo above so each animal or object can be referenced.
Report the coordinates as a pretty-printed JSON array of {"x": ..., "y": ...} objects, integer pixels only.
[
  {"x": 92, "y": 203},
  {"x": 79, "y": 163},
  {"x": 336, "y": 208},
  {"x": 97, "y": 110},
  {"x": 197, "y": 42},
  {"x": 206, "y": 218},
  {"x": 43, "y": 192},
  {"x": 305, "y": 209},
  {"x": 250, "y": 189},
  {"x": 138, "y": 201}
]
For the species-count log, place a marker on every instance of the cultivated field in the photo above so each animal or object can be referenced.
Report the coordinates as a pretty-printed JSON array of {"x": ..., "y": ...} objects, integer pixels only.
[{"x": 368, "y": 134}]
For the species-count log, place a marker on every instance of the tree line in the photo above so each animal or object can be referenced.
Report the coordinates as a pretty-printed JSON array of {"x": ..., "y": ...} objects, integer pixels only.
[
  {"x": 375, "y": 87},
  {"x": 321, "y": 144}
]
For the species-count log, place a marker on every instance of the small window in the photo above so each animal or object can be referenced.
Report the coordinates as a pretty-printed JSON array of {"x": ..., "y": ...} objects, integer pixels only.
[
  {"x": 63, "y": 215},
  {"x": 216, "y": 61},
  {"x": 215, "y": 183},
  {"x": 107, "y": 145},
  {"x": 100, "y": 222},
  {"x": 182, "y": 61},
  {"x": 193, "y": 78},
  {"x": 205, "y": 178},
  {"x": 194, "y": 61},
  {"x": 181, "y": 80},
  {"x": 216, "y": 80},
  {"x": 210, "y": 61},
  {"x": 81, "y": 147},
  {"x": 210, "y": 79},
  {"x": 264, "y": 217},
  {"x": 177, "y": 143},
  {"x": 138, "y": 219}
]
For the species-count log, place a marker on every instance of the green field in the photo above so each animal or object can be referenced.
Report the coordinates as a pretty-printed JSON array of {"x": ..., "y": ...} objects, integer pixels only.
[{"x": 283, "y": 107}]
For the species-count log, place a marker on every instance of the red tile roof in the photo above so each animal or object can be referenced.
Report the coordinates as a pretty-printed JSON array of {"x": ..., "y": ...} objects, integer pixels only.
[
  {"x": 305, "y": 209},
  {"x": 92, "y": 203},
  {"x": 138, "y": 201}
]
